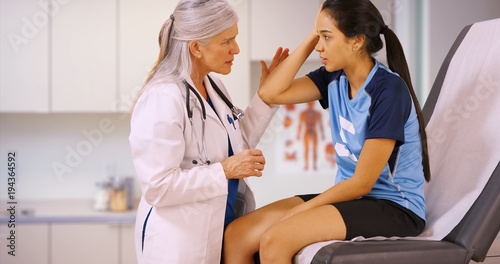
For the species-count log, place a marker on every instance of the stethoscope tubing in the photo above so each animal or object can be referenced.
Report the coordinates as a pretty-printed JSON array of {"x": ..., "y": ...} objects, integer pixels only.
[
  {"x": 237, "y": 114},
  {"x": 202, "y": 148}
]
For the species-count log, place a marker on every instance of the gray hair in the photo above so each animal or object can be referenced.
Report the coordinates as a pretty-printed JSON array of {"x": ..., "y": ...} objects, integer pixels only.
[{"x": 193, "y": 20}]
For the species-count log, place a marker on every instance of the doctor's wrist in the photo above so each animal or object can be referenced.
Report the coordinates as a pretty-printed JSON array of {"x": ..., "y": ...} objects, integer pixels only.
[{"x": 225, "y": 168}]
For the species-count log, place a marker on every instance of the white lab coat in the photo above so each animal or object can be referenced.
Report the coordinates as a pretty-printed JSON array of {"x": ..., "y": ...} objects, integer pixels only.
[{"x": 187, "y": 201}]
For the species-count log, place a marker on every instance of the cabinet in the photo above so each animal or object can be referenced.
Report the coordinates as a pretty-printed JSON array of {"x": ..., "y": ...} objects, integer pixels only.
[
  {"x": 24, "y": 56},
  {"x": 78, "y": 56},
  {"x": 76, "y": 243},
  {"x": 31, "y": 244},
  {"x": 82, "y": 243},
  {"x": 60, "y": 58},
  {"x": 127, "y": 246},
  {"x": 91, "y": 56},
  {"x": 84, "y": 47},
  {"x": 139, "y": 27}
]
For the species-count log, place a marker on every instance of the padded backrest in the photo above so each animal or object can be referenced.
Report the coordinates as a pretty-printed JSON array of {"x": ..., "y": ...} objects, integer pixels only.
[{"x": 481, "y": 224}]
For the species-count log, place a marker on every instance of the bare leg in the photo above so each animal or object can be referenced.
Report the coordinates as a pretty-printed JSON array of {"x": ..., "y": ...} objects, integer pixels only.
[
  {"x": 242, "y": 236},
  {"x": 281, "y": 242}
]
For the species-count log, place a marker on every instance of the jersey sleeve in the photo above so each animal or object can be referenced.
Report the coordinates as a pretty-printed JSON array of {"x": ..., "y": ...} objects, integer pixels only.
[
  {"x": 390, "y": 109},
  {"x": 322, "y": 78}
]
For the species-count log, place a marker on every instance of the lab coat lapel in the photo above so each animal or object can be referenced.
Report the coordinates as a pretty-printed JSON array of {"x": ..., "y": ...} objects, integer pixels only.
[
  {"x": 194, "y": 101},
  {"x": 211, "y": 115}
]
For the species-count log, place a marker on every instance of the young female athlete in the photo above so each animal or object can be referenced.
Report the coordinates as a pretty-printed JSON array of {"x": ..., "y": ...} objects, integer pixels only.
[{"x": 378, "y": 133}]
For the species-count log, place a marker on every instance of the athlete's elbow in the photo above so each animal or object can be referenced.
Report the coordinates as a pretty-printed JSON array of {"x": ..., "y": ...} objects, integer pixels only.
[
  {"x": 364, "y": 191},
  {"x": 363, "y": 188},
  {"x": 265, "y": 96}
]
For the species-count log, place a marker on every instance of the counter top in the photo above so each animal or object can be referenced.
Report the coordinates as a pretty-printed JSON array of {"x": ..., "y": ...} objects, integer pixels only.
[{"x": 62, "y": 211}]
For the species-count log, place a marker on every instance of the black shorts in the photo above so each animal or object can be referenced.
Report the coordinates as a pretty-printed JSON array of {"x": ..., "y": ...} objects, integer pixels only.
[{"x": 369, "y": 217}]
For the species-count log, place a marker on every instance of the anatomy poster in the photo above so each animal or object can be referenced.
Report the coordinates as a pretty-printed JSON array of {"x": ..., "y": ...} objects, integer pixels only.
[{"x": 305, "y": 144}]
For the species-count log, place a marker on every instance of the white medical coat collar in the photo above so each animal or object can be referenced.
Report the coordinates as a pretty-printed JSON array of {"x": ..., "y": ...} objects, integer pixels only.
[{"x": 220, "y": 106}]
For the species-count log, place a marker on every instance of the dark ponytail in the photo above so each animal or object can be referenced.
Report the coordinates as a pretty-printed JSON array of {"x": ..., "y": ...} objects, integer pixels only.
[
  {"x": 397, "y": 63},
  {"x": 355, "y": 17}
]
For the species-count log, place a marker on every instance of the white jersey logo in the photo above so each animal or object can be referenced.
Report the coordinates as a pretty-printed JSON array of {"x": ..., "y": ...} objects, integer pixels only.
[{"x": 341, "y": 148}]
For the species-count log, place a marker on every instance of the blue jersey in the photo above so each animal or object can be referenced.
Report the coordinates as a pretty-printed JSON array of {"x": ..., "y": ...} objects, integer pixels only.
[{"x": 382, "y": 108}]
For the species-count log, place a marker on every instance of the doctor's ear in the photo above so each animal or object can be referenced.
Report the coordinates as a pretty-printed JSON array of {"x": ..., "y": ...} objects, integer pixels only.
[{"x": 195, "y": 49}]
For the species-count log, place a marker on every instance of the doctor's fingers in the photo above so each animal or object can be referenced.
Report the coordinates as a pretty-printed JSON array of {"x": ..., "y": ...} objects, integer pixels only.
[
  {"x": 250, "y": 171},
  {"x": 250, "y": 161},
  {"x": 281, "y": 55},
  {"x": 276, "y": 60},
  {"x": 255, "y": 160},
  {"x": 252, "y": 152},
  {"x": 244, "y": 171},
  {"x": 254, "y": 155}
]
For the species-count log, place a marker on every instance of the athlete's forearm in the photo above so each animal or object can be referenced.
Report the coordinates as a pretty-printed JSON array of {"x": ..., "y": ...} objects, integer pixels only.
[
  {"x": 281, "y": 78},
  {"x": 374, "y": 157}
]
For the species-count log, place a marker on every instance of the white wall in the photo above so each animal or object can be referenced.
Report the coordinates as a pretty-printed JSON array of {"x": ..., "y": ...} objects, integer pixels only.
[
  {"x": 62, "y": 156},
  {"x": 442, "y": 22}
]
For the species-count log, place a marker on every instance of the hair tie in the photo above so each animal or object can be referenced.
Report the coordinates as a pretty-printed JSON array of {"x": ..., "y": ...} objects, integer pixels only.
[
  {"x": 384, "y": 29},
  {"x": 170, "y": 31}
]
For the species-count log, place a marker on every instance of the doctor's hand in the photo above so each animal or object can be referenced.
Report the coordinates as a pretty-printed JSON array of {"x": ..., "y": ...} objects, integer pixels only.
[
  {"x": 281, "y": 55},
  {"x": 249, "y": 162}
]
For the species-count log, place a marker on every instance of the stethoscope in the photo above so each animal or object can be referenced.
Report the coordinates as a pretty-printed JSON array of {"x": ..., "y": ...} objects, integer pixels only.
[{"x": 237, "y": 114}]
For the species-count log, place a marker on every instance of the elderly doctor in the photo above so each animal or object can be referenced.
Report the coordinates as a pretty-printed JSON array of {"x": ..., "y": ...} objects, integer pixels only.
[{"x": 191, "y": 148}]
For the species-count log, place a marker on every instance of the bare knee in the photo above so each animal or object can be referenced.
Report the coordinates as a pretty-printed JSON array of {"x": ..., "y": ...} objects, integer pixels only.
[
  {"x": 272, "y": 247},
  {"x": 233, "y": 234},
  {"x": 237, "y": 244}
]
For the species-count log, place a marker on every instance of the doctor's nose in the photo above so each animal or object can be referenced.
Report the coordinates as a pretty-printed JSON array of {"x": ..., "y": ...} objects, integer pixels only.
[{"x": 235, "y": 49}]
